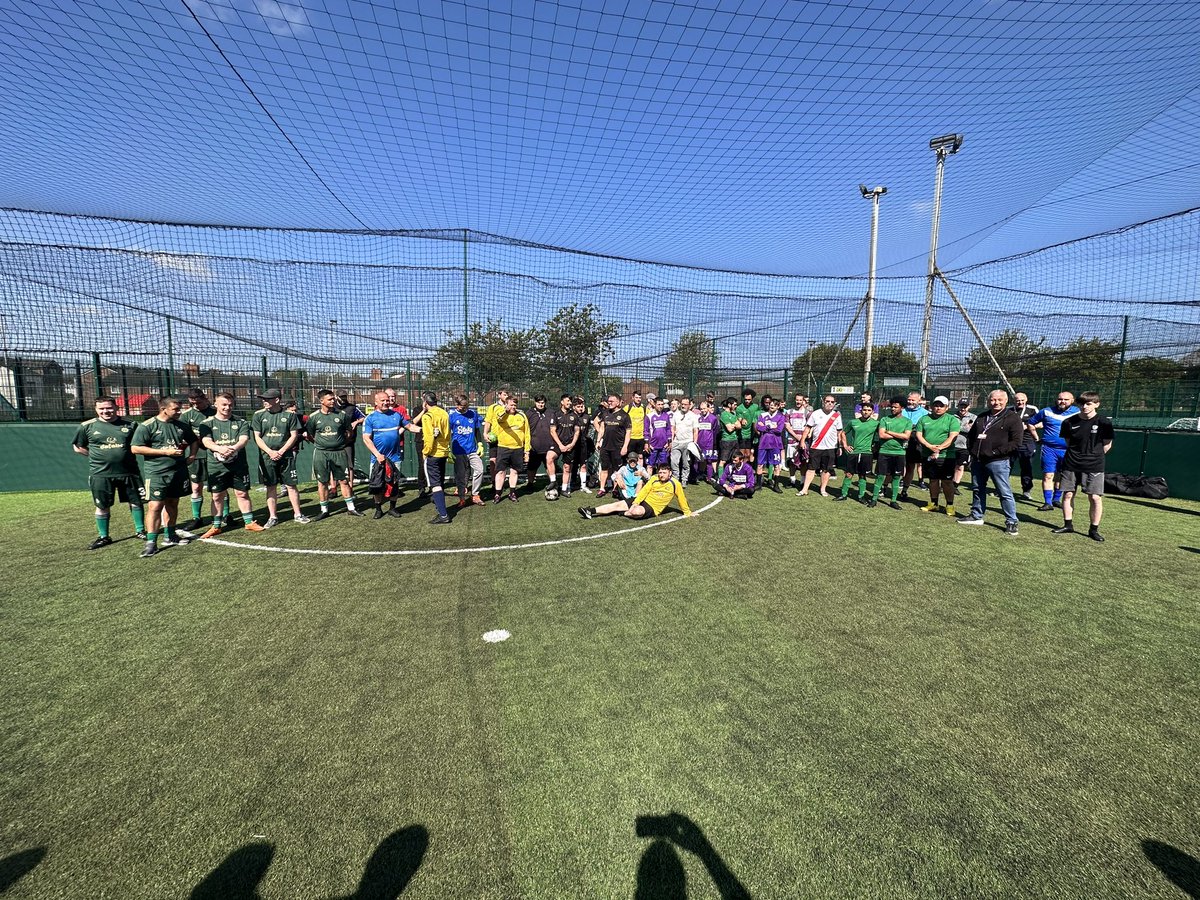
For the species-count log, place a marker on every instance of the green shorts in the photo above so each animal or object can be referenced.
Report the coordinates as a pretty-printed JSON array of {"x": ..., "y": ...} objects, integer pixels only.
[
  {"x": 277, "y": 471},
  {"x": 226, "y": 479},
  {"x": 198, "y": 470},
  {"x": 106, "y": 490},
  {"x": 169, "y": 485},
  {"x": 329, "y": 464}
]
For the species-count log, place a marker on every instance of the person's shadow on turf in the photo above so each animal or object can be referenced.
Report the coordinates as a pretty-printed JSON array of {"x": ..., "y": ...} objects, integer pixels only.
[
  {"x": 1179, "y": 868},
  {"x": 16, "y": 866},
  {"x": 661, "y": 875},
  {"x": 387, "y": 873}
]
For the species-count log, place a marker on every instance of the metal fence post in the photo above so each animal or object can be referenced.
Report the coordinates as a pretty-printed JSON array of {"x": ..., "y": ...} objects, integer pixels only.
[
  {"x": 1121, "y": 367},
  {"x": 264, "y": 373},
  {"x": 79, "y": 386},
  {"x": 125, "y": 391},
  {"x": 18, "y": 371}
]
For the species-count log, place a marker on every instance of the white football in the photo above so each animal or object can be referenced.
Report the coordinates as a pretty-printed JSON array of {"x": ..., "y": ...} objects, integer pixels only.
[{"x": 552, "y": 493}]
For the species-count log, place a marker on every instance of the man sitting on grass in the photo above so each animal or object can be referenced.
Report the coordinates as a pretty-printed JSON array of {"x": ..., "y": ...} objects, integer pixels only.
[
  {"x": 650, "y": 501},
  {"x": 737, "y": 478}
]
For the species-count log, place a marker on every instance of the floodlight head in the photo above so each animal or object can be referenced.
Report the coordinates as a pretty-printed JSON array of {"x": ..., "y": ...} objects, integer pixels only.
[
  {"x": 869, "y": 193},
  {"x": 947, "y": 143}
]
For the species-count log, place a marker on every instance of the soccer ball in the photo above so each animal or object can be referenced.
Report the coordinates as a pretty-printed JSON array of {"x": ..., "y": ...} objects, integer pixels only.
[{"x": 551, "y": 493}]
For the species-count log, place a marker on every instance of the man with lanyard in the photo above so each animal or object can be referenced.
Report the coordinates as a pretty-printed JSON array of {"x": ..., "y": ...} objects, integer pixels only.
[
  {"x": 539, "y": 438},
  {"x": 794, "y": 421},
  {"x": 858, "y": 440},
  {"x": 994, "y": 437},
  {"x": 936, "y": 433},
  {"x": 168, "y": 445},
  {"x": 770, "y": 429},
  {"x": 651, "y": 500},
  {"x": 225, "y": 436},
  {"x": 383, "y": 436},
  {"x": 276, "y": 433},
  {"x": 466, "y": 424},
  {"x": 637, "y": 424},
  {"x": 1088, "y": 437},
  {"x": 330, "y": 431},
  {"x": 706, "y": 437},
  {"x": 683, "y": 435},
  {"x": 113, "y": 469},
  {"x": 1023, "y": 458},
  {"x": 658, "y": 435},
  {"x": 433, "y": 424},
  {"x": 747, "y": 414},
  {"x": 510, "y": 432},
  {"x": 564, "y": 435},
  {"x": 728, "y": 428},
  {"x": 895, "y": 430},
  {"x": 612, "y": 428},
  {"x": 914, "y": 411},
  {"x": 199, "y": 409},
  {"x": 821, "y": 434},
  {"x": 1050, "y": 419}
]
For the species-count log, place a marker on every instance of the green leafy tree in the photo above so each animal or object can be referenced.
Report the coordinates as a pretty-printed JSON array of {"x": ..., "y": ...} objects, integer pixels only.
[
  {"x": 1086, "y": 361},
  {"x": 692, "y": 360},
  {"x": 1019, "y": 355},
  {"x": 572, "y": 346},
  {"x": 1153, "y": 369},
  {"x": 886, "y": 359},
  {"x": 495, "y": 356}
]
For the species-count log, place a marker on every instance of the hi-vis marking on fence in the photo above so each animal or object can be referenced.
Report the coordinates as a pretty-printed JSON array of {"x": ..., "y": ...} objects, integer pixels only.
[{"x": 444, "y": 552}]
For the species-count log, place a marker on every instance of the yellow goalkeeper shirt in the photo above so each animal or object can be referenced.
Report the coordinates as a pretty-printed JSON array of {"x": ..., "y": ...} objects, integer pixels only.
[{"x": 658, "y": 494}]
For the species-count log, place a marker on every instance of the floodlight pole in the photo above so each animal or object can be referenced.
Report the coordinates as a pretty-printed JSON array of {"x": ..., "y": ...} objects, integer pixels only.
[
  {"x": 943, "y": 146},
  {"x": 332, "y": 348},
  {"x": 869, "y": 337}
]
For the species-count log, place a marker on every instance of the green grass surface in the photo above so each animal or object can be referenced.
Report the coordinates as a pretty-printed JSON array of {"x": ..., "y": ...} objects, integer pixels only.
[{"x": 839, "y": 702}]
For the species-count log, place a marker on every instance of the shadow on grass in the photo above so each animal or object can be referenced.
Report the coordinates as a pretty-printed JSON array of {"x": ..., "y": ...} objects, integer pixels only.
[
  {"x": 393, "y": 864},
  {"x": 16, "y": 866},
  {"x": 1139, "y": 502},
  {"x": 1191, "y": 549},
  {"x": 237, "y": 877},
  {"x": 661, "y": 875},
  {"x": 1177, "y": 867}
]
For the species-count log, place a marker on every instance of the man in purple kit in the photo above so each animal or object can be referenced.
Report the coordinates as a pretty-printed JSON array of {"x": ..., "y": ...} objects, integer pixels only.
[
  {"x": 770, "y": 430},
  {"x": 737, "y": 478},
  {"x": 658, "y": 436},
  {"x": 706, "y": 440}
]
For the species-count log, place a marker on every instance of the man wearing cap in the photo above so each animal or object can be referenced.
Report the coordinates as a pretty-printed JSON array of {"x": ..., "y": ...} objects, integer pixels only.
[
  {"x": 276, "y": 433},
  {"x": 936, "y": 434},
  {"x": 199, "y": 409},
  {"x": 994, "y": 437}
]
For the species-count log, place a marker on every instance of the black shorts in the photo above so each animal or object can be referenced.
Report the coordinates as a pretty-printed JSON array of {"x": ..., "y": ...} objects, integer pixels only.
[
  {"x": 611, "y": 460},
  {"x": 912, "y": 451},
  {"x": 940, "y": 468},
  {"x": 890, "y": 464},
  {"x": 745, "y": 443},
  {"x": 510, "y": 458},
  {"x": 637, "y": 445},
  {"x": 648, "y": 511},
  {"x": 858, "y": 464},
  {"x": 963, "y": 460},
  {"x": 823, "y": 460}
]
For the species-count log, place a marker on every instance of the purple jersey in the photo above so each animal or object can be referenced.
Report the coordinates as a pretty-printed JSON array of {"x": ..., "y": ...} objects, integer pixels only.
[
  {"x": 658, "y": 430},
  {"x": 770, "y": 426},
  {"x": 739, "y": 475},
  {"x": 706, "y": 433}
]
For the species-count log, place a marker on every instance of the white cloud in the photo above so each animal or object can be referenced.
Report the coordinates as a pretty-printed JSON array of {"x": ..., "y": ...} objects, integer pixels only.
[
  {"x": 921, "y": 207},
  {"x": 187, "y": 265},
  {"x": 214, "y": 9},
  {"x": 284, "y": 19}
]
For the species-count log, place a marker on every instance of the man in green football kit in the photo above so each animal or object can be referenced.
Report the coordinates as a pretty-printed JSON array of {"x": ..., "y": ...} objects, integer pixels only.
[
  {"x": 747, "y": 412},
  {"x": 166, "y": 446},
  {"x": 330, "y": 431},
  {"x": 276, "y": 433},
  {"x": 199, "y": 409},
  {"x": 225, "y": 436},
  {"x": 894, "y": 431},
  {"x": 936, "y": 434},
  {"x": 105, "y": 441},
  {"x": 858, "y": 439}
]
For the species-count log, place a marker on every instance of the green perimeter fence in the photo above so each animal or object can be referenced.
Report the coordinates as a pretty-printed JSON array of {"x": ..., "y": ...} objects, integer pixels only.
[{"x": 38, "y": 457}]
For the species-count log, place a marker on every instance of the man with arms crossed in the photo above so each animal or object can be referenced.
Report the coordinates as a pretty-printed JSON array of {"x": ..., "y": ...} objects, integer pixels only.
[
  {"x": 276, "y": 433},
  {"x": 895, "y": 429},
  {"x": 225, "y": 436},
  {"x": 167, "y": 446},
  {"x": 1088, "y": 437},
  {"x": 113, "y": 470},
  {"x": 858, "y": 440},
  {"x": 914, "y": 411},
  {"x": 770, "y": 430}
]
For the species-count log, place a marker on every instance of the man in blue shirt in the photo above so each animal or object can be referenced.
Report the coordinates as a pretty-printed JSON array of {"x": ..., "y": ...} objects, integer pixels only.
[
  {"x": 914, "y": 410},
  {"x": 1050, "y": 420},
  {"x": 465, "y": 426},
  {"x": 383, "y": 436}
]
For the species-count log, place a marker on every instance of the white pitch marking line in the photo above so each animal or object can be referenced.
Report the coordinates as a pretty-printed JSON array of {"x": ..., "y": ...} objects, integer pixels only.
[{"x": 442, "y": 552}]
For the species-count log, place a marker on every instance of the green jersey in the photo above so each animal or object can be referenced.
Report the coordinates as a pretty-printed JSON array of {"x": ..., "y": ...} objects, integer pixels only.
[
  {"x": 728, "y": 418},
  {"x": 896, "y": 425},
  {"x": 107, "y": 445},
  {"x": 329, "y": 431},
  {"x": 225, "y": 434},
  {"x": 750, "y": 414},
  {"x": 936, "y": 430},
  {"x": 860, "y": 434},
  {"x": 275, "y": 429},
  {"x": 157, "y": 435},
  {"x": 193, "y": 417}
]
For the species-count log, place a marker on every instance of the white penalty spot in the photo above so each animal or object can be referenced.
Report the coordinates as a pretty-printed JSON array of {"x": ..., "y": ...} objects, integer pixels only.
[{"x": 495, "y": 637}]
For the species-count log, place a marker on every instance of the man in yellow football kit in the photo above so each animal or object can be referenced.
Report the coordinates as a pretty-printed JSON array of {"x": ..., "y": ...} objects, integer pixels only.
[
  {"x": 652, "y": 500},
  {"x": 433, "y": 424}
]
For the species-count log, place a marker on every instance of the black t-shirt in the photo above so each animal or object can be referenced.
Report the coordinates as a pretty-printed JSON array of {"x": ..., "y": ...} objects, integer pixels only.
[
  {"x": 1085, "y": 439},
  {"x": 616, "y": 425},
  {"x": 565, "y": 424},
  {"x": 539, "y": 429},
  {"x": 1027, "y": 440}
]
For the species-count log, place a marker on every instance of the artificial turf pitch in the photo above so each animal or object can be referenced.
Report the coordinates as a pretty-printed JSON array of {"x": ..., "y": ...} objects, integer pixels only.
[{"x": 836, "y": 702}]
